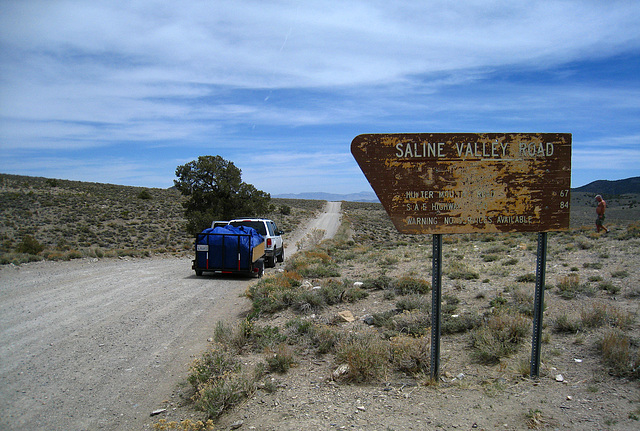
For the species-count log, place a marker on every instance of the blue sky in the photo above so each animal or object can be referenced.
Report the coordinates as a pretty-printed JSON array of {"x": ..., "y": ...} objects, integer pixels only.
[{"x": 123, "y": 92}]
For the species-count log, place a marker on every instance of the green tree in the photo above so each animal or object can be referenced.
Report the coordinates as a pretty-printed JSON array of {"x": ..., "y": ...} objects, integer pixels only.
[{"x": 215, "y": 191}]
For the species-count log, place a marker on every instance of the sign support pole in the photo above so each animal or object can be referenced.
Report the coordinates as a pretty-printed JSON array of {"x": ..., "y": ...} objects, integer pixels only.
[
  {"x": 538, "y": 306},
  {"x": 436, "y": 301}
]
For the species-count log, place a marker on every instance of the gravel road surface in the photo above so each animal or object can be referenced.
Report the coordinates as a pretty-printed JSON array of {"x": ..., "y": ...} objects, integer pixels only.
[
  {"x": 99, "y": 344},
  {"x": 86, "y": 344}
]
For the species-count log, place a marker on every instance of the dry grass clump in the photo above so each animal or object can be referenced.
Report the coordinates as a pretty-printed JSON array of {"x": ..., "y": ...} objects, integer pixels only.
[
  {"x": 500, "y": 337},
  {"x": 363, "y": 357},
  {"x": 314, "y": 263},
  {"x": 220, "y": 381},
  {"x": 458, "y": 270},
  {"x": 598, "y": 314},
  {"x": 569, "y": 287},
  {"x": 411, "y": 354},
  {"x": 620, "y": 353}
]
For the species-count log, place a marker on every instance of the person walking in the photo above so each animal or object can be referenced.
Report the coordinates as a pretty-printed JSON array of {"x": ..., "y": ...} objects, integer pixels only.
[{"x": 600, "y": 209}]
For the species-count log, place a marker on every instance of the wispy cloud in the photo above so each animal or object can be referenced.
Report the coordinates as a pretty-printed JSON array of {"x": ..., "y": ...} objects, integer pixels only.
[{"x": 230, "y": 78}]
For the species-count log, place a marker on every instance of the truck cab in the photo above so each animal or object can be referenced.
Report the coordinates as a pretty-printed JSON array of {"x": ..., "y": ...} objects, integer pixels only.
[{"x": 273, "y": 244}]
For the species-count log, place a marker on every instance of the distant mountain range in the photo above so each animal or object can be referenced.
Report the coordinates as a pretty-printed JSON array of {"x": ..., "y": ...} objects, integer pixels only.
[{"x": 606, "y": 187}]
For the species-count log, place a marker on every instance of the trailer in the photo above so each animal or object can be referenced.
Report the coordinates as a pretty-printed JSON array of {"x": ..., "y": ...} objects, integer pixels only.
[{"x": 229, "y": 250}]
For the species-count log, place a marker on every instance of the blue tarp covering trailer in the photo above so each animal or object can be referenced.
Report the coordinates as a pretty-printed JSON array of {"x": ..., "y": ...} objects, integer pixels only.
[{"x": 229, "y": 249}]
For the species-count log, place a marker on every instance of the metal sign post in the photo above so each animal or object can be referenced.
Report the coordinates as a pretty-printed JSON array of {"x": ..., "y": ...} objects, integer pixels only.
[
  {"x": 435, "y": 183},
  {"x": 436, "y": 304},
  {"x": 538, "y": 305}
]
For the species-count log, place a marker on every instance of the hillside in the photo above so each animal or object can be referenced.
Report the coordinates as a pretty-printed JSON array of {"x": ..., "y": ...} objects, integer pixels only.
[
  {"x": 610, "y": 188},
  {"x": 71, "y": 219}
]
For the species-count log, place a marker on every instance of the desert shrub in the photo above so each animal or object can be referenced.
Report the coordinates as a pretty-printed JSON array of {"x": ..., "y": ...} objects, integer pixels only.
[
  {"x": 414, "y": 302},
  {"x": 592, "y": 265},
  {"x": 379, "y": 283},
  {"x": 565, "y": 324},
  {"x": 523, "y": 301},
  {"x": 222, "y": 394},
  {"x": 305, "y": 332},
  {"x": 599, "y": 314},
  {"x": 609, "y": 287},
  {"x": 29, "y": 245},
  {"x": 570, "y": 287},
  {"x": 408, "y": 285},
  {"x": 455, "y": 324},
  {"x": 619, "y": 354},
  {"x": 314, "y": 263},
  {"x": 498, "y": 301},
  {"x": 353, "y": 294},
  {"x": 366, "y": 356},
  {"x": 219, "y": 381},
  {"x": 633, "y": 292},
  {"x": 411, "y": 354},
  {"x": 184, "y": 425},
  {"x": 274, "y": 293},
  {"x": 213, "y": 365},
  {"x": 281, "y": 359},
  {"x": 145, "y": 195},
  {"x": 450, "y": 303},
  {"x": 500, "y": 337},
  {"x": 299, "y": 327},
  {"x": 416, "y": 323},
  {"x": 388, "y": 260},
  {"x": 490, "y": 257},
  {"x": 18, "y": 258},
  {"x": 384, "y": 319},
  {"x": 526, "y": 278},
  {"x": 457, "y": 270},
  {"x": 584, "y": 244},
  {"x": 307, "y": 300},
  {"x": 324, "y": 339},
  {"x": 623, "y": 273},
  {"x": 632, "y": 231},
  {"x": 284, "y": 209}
]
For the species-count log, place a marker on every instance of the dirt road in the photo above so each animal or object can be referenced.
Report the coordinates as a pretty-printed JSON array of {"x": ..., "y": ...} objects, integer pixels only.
[
  {"x": 99, "y": 344},
  {"x": 328, "y": 220}
]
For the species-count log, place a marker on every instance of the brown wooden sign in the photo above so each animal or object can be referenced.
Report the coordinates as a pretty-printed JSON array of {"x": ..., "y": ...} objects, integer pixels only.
[{"x": 469, "y": 182}]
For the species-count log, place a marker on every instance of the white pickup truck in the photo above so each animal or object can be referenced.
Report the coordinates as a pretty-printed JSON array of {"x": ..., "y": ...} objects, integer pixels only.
[{"x": 273, "y": 244}]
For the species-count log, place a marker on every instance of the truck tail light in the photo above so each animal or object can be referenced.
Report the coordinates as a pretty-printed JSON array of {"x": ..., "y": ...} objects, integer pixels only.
[{"x": 269, "y": 242}]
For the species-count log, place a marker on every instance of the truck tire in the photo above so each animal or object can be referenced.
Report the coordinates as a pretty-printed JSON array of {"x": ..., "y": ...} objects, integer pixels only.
[
  {"x": 280, "y": 257},
  {"x": 198, "y": 272},
  {"x": 259, "y": 264},
  {"x": 270, "y": 261}
]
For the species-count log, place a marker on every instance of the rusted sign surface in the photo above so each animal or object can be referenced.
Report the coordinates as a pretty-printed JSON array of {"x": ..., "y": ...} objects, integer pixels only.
[{"x": 469, "y": 182}]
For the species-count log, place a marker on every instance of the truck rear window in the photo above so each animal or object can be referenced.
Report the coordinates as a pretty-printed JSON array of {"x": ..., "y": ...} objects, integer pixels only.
[{"x": 257, "y": 225}]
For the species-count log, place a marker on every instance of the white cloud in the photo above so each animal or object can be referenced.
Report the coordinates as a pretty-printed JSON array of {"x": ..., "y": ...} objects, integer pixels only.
[{"x": 197, "y": 74}]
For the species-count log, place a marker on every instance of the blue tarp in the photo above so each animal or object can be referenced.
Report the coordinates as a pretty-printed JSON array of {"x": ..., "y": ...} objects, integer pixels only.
[{"x": 225, "y": 242}]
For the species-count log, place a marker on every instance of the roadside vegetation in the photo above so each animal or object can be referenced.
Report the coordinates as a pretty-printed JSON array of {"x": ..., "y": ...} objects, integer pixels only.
[{"x": 307, "y": 311}]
